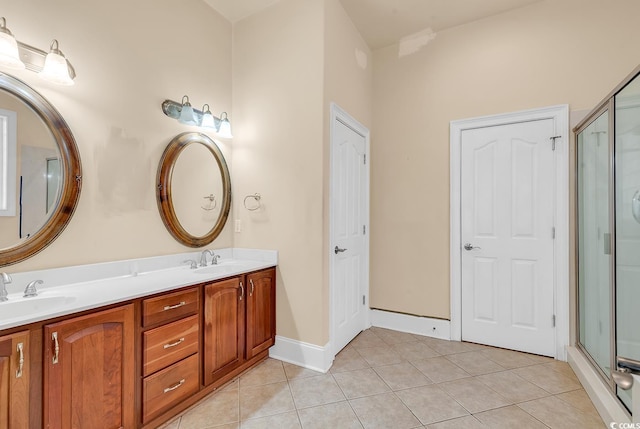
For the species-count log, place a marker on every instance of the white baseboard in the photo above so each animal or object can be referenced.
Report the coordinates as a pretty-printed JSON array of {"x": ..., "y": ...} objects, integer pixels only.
[
  {"x": 320, "y": 358},
  {"x": 603, "y": 399},
  {"x": 303, "y": 354},
  {"x": 436, "y": 328}
]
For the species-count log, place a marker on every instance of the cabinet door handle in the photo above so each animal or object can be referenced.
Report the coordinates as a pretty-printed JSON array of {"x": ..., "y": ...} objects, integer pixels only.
[
  {"x": 175, "y": 386},
  {"x": 252, "y": 287},
  {"x": 20, "y": 349},
  {"x": 241, "y": 291},
  {"x": 56, "y": 348},
  {"x": 171, "y": 307},
  {"x": 168, "y": 346}
]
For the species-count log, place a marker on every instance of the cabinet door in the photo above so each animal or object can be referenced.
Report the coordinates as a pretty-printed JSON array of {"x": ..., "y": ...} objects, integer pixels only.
[
  {"x": 89, "y": 371},
  {"x": 14, "y": 381},
  {"x": 224, "y": 304},
  {"x": 261, "y": 311}
]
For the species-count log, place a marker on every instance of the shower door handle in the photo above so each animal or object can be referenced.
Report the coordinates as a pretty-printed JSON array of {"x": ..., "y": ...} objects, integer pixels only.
[{"x": 607, "y": 243}]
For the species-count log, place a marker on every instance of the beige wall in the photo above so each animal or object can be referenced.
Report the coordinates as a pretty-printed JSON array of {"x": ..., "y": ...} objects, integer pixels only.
[
  {"x": 129, "y": 56},
  {"x": 290, "y": 62},
  {"x": 277, "y": 152},
  {"x": 553, "y": 52}
]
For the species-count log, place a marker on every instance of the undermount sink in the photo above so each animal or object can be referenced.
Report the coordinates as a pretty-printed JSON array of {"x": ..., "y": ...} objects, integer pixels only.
[{"x": 21, "y": 306}]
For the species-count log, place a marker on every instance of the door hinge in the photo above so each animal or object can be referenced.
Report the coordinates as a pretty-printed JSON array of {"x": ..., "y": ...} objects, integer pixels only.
[
  {"x": 362, "y": 299},
  {"x": 553, "y": 142},
  {"x": 364, "y": 229},
  {"x": 553, "y": 321},
  {"x": 553, "y": 233},
  {"x": 365, "y": 158}
]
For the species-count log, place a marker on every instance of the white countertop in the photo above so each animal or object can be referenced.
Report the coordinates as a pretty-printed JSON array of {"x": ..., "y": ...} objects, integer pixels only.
[{"x": 70, "y": 290}]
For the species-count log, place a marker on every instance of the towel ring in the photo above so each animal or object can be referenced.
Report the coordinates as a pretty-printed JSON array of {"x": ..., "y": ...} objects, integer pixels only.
[
  {"x": 257, "y": 198},
  {"x": 212, "y": 203}
]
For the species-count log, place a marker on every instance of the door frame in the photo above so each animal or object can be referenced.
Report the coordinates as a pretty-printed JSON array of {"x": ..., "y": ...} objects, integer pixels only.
[
  {"x": 339, "y": 114},
  {"x": 560, "y": 116}
]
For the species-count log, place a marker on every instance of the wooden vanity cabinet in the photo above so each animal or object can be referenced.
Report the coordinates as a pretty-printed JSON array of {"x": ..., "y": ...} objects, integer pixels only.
[
  {"x": 261, "y": 312},
  {"x": 224, "y": 325},
  {"x": 14, "y": 381},
  {"x": 89, "y": 371},
  {"x": 239, "y": 322}
]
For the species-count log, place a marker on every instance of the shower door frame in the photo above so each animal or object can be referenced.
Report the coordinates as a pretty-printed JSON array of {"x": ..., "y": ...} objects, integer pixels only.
[
  {"x": 608, "y": 103},
  {"x": 609, "y": 107}
]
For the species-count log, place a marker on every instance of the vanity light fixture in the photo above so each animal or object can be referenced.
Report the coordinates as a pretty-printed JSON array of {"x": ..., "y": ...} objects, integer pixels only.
[
  {"x": 186, "y": 114},
  {"x": 55, "y": 68},
  {"x": 51, "y": 66},
  {"x": 207, "y": 118},
  {"x": 9, "y": 55},
  {"x": 224, "y": 127}
]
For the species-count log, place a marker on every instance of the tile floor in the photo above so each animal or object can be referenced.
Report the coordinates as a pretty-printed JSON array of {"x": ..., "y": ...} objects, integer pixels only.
[{"x": 394, "y": 380}]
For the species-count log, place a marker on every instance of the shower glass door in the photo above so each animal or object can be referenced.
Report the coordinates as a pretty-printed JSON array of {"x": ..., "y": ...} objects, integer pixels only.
[
  {"x": 627, "y": 218},
  {"x": 594, "y": 241}
]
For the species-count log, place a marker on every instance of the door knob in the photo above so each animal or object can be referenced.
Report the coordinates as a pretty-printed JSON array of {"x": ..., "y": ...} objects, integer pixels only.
[
  {"x": 337, "y": 250},
  {"x": 469, "y": 246}
]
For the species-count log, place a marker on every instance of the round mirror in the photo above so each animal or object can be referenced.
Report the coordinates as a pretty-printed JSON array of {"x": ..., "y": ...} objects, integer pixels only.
[
  {"x": 40, "y": 172},
  {"x": 194, "y": 189}
]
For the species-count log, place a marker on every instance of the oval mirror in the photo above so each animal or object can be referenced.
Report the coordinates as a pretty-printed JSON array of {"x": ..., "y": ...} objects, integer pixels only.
[
  {"x": 194, "y": 189},
  {"x": 40, "y": 172}
]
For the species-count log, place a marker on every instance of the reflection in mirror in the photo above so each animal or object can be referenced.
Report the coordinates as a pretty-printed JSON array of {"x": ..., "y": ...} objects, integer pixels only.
[
  {"x": 35, "y": 145},
  {"x": 40, "y": 171},
  {"x": 194, "y": 189},
  {"x": 197, "y": 186}
]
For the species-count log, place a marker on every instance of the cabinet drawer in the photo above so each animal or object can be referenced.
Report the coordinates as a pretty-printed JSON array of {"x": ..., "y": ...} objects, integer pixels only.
[
  {"x": 169, "y": 386},
  {"x": 170, "y": 343},
  {"x": 169, "y": 307}
]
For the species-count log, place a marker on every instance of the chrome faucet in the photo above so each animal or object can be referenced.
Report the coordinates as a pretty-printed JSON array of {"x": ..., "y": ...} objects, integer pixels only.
[
  {"x": 214, "y": 260},
  {"x": 31, "y": 290},
  {"x": 203, "y": 257},
  {"x": 4, "y": 280}
]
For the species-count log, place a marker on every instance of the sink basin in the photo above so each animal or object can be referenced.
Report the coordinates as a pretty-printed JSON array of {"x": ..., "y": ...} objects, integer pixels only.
[
  {"x": 31, "y": 306},
  {"x": 224, "y": 268}
]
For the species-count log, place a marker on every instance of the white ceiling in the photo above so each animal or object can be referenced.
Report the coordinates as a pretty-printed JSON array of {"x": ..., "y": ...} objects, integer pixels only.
[{"x": 385, "y": 22}]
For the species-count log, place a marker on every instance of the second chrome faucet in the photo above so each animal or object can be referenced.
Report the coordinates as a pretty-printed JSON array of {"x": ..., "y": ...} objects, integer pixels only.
[{"x": 203, "y": 258}]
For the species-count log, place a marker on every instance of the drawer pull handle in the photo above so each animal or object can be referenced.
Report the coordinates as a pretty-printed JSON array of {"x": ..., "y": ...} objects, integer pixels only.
[
  {"x": 175, "y": 386},
  {"x": 252, "y": 287},
  {"x": 168, "y": 346},
  {"x": 56, "y": 348},
  {"x": 241, "y": 291},
  {"x": 171, "y": 307},
  {"x": 20, "y": 349}
]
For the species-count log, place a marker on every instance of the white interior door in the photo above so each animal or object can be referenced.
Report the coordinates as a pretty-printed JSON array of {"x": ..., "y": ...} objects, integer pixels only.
[
  {"x": 507, "y": 211},
  {"x": 349, "y": 243}
]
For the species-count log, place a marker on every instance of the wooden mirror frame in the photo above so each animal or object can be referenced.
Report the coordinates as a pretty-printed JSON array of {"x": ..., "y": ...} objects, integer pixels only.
[
  {"x": 163, "y": 190},
  {"x": 71, "y": 172}
]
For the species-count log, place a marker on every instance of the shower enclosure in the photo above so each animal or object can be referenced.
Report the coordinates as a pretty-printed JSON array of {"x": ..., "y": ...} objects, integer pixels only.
[{"x": 608, "y": 236}]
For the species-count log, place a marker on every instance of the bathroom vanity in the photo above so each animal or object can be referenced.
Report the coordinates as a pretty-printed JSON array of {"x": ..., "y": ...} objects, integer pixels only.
[{"x": 134, "y": 346}]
